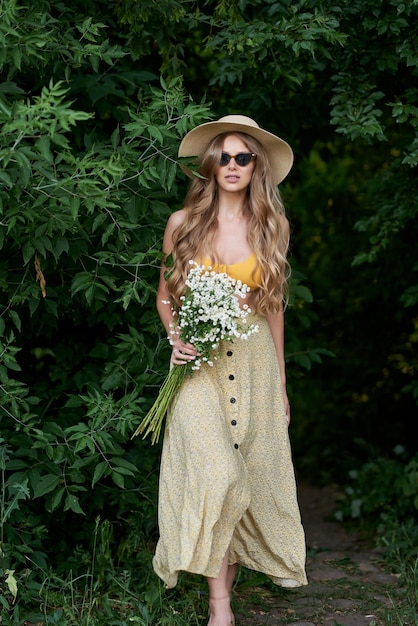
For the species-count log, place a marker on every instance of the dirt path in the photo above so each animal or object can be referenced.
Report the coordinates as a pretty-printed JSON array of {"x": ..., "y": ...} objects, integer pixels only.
[{"x": 347, "y": 585}]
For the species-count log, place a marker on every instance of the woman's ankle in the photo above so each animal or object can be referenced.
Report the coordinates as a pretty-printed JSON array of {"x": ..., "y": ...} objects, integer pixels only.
[{"x": 220, "y": 612}]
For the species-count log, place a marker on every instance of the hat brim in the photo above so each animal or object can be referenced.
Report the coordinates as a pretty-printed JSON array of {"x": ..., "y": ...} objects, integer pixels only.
[{"x": 279, "y": 152}]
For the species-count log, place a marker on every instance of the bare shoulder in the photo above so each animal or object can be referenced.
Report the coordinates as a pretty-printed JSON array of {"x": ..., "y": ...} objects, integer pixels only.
[{"x": 175, "y": 220}]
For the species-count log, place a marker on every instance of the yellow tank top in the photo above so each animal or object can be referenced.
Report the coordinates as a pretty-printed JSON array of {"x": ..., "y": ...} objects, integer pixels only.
[{"x": 243, "y": 271}]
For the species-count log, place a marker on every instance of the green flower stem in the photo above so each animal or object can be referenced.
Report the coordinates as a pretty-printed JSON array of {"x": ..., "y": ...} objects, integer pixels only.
[{"x": 152, "y": 422}]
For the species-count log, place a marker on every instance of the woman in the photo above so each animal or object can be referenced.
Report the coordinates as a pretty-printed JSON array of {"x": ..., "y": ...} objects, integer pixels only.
[{"x": 227, "y": 489}]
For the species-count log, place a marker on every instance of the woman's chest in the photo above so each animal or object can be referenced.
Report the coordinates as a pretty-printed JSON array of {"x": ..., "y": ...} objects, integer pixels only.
[{"x": 230, "y": 244}]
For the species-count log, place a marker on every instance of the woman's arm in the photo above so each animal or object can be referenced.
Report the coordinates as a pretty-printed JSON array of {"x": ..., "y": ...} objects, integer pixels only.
[
  {"x": 276, "y": 321},
  {"x": 163, "y": 296},
  {"x": 182, "y": 352},
  {"x": 276, "y": 325}
]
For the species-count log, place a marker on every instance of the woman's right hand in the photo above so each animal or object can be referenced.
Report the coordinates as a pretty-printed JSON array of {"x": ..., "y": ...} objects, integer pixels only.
[{"x": 182, "y": 352}]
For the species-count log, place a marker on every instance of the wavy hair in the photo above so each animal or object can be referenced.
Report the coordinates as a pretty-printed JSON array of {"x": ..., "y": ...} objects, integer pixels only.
[{"x": 267, "y": 226}]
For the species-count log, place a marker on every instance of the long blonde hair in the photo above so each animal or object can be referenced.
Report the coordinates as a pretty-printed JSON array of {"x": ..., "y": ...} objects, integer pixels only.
[{"x": 267, "y": 227}]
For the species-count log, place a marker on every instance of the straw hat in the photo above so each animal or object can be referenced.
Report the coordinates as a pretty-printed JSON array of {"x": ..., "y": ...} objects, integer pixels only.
[{"x": 278, "y": 151}]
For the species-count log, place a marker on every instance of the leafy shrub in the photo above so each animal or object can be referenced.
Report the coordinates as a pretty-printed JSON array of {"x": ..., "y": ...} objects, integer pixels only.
[
  {"x": 88, "y": 167},
  {"x": 383, "y": 496}
]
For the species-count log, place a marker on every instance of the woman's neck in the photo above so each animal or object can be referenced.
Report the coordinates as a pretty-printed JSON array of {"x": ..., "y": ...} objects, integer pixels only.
[{"x": 231, "y": 208}]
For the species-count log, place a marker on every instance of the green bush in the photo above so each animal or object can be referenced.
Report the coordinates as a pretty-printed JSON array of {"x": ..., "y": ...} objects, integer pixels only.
[
  {"x": 82, "y": 351},
  {"x": 383, "y": 496},
  {"x": 88, "y": 178}
]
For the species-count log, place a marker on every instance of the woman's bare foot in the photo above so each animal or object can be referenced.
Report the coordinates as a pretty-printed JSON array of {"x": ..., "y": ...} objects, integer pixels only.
[{"x": 220, "y": 613}]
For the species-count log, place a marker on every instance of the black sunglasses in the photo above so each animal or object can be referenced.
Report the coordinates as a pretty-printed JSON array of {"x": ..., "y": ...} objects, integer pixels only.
[{"x": 242, "y": 158}]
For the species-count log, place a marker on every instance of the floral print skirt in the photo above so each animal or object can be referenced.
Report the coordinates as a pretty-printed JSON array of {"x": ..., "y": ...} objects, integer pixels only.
[{"x": 226, "y": 477}]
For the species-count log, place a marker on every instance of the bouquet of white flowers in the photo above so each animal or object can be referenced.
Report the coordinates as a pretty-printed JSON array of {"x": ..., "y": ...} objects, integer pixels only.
[{"x": 209, "y": 313}]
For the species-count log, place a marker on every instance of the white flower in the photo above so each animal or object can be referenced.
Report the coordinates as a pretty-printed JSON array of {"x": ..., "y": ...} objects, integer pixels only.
[{"x": 210, "y": 311}]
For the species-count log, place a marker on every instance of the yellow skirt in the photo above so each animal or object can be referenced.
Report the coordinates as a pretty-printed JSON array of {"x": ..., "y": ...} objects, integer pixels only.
[{"x": 226, "y": 475}]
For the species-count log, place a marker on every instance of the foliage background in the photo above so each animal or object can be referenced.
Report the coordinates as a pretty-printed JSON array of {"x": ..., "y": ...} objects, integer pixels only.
[{"x": 94, "y": 99}]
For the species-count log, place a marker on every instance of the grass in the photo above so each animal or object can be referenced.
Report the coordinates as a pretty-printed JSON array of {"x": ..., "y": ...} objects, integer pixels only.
[
  {"x": 404, "y": 611},
  {"x": 136, "y": 597},
  {"x": 108, "y": 590}
]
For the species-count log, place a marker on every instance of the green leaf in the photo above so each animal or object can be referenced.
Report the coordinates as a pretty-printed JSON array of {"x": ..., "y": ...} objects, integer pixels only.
[
  {"x": 118, "y": 479},
  {"x": 60, "y": 245},
  {"x": 99, "y": 470},
  {"x": 45, "y": 485},
  {"x": 84, "y": 442},
  {"x": 43, "y": 144},
  {"x": 10, "y": 362},
  {"x": 155, "y": 133},
  {"x": 15, "y": 319},
  {"x": 6, "y": 605},
  {"x": 5, "y": 178},
  {"x": 18, "y": 491},
  {"x": 51, "y": 307},
  {"x": 11, "y": 582},
  {"x": 28, "y": 251},
  {"x": 72, "y": 502},
  {"x": 81, "y": 282},
  {"x": 17, "y": 56},
  {"x": 53, "y": 502}
]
